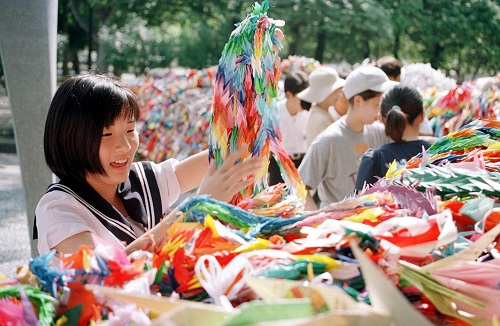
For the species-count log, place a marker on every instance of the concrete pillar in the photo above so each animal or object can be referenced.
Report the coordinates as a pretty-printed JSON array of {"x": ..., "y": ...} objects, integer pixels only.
[{"x": 28, "y": 44}]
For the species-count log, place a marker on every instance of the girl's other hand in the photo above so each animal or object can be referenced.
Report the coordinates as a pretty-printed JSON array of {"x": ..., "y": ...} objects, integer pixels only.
[{"x": 223, "y": 183}]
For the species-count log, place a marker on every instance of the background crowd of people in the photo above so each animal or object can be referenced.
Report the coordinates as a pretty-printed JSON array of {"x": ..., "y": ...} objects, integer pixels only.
[{"x": 332, "y": 139}]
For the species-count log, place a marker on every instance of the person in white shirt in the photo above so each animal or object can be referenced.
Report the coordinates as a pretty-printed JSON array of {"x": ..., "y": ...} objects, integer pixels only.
[
  {"x": 292, "y": 122},
  {"x": 331, "y": 162},
  {"x": 324, "y": 91}
]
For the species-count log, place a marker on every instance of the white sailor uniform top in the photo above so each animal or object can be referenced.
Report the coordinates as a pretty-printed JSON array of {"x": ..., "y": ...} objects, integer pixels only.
[{"x": 70, "y": 207}]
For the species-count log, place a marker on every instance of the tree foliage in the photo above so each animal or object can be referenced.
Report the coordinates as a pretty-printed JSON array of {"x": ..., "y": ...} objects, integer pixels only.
[{"x": 136, "y": 35}]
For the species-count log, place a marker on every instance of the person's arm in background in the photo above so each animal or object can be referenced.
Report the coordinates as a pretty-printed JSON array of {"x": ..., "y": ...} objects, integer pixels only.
[
  {"x": 311, "y": 170},
  {"x": 426, "y": 132},
  {"x": 366, "y": 173},
  {"x": 191, "y": 170},
  {"x": 310, "y": 204}
]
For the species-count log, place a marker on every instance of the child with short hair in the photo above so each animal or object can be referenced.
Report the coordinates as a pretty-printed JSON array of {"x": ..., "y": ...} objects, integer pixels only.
[
  {"x": 391, "y": 66},
  {"x": 331, "y": 162}
]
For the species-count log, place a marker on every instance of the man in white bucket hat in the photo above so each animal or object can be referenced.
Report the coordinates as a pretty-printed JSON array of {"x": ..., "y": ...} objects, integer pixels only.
[
  {"x": 324, "y": 91},
  {"x": 331, "y": 162}
]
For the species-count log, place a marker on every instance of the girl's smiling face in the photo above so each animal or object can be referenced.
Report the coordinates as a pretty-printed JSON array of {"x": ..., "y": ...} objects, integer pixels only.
[{"x": 119, "y": 143}]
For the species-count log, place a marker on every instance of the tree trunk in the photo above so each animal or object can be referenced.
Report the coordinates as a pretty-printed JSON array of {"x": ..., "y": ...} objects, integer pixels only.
[
  {"x": 435, "y": 59},
  {"x": 78, "y": 18},
  {"x": 65, "y": 61},
  {"x": 101, "y": 55},
  {"x": 397, "y": 45},
  {"x": 105, "y": 14},
  {"x": 90, "y": 39},
  {"x": 367, "y": 48},
  {"x": 320, "y": 47},
  {"x": 64, "y": 27},
  {"x": 295, "y": 36},
  {"x": 76, "y": 62}
]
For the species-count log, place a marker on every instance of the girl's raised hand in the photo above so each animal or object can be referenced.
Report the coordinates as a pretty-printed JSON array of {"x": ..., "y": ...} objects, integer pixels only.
[{"x": 223, "y": 183}]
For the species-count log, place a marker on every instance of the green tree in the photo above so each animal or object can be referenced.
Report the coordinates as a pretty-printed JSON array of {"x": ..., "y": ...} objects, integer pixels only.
[
  {"x": 73, "y": 39},
  {"x": 334, "y": 30},
  {"x": 192, "y": 36},
  {"x": 459, "y": 35},
  {"x": 478, "y": 50},
  {"x": 402, "y": 17},
  {"x": 93, "y": 16}
]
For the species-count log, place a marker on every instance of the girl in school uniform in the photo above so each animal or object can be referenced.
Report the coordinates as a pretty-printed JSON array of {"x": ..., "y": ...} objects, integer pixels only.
[{"x": 90, "y": 142}]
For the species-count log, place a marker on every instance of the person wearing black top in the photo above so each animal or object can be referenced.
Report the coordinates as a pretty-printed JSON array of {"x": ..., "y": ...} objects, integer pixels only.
[{"x": 402, "y": 112}]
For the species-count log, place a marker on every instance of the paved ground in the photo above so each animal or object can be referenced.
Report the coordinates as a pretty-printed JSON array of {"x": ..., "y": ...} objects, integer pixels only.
[
  {"x": 7, "y": 143},
  {"x": 14, "y": 236},
  {"x": 6, "y": 129}
]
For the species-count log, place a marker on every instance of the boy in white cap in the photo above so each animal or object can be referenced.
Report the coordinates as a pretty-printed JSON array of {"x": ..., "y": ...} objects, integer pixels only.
[
  {"x": 331, "y": 162},
  {"x": 324, "y": 91}
]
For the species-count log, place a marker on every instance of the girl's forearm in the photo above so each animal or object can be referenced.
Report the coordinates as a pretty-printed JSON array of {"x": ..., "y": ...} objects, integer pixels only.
[
  {"x": 191, "y": 170},
  {"x": 157, "y": 233}
]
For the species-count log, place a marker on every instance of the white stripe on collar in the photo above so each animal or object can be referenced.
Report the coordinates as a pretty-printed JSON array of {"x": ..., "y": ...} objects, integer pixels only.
[
  {"x": 148, "y": 202},
  {"x": 122, "y": 226}
]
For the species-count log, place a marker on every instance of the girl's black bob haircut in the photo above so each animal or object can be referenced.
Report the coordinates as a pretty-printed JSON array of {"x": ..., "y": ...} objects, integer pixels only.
[{"x": 81, "y": 108}]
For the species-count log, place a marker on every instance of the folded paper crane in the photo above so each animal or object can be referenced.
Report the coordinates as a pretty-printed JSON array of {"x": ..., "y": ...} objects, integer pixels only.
[{"x": 244, "y": 108}]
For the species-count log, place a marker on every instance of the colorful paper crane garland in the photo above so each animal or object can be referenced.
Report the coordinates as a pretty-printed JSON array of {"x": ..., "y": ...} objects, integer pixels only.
[
  {"x": 175, "y": 109},
  {"x": 244, "y": 107},
  {"x": 465, "y": 163}
]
